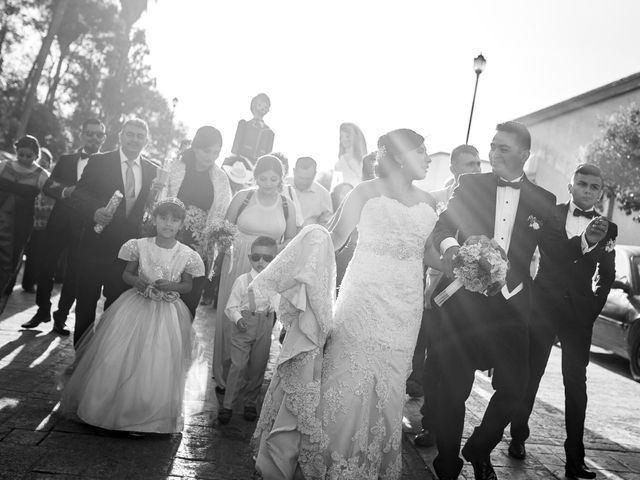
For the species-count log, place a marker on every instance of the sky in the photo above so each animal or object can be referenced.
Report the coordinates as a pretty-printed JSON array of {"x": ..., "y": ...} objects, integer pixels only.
[{"x": 383, "y": 64}]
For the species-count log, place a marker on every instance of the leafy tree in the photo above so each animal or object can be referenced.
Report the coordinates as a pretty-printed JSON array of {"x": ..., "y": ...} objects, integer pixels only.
[
  {"x": 96, "y": 66},
  {"x": 617, "y": 152}
]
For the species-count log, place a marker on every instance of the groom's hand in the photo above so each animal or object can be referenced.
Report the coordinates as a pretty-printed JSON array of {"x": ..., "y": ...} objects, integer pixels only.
[
  {"x": 596, "y": 230},
  {"x": 447, "y": 260}
]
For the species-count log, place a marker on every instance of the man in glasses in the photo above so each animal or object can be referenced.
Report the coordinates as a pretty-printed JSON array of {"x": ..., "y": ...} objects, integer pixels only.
[
  {"x": 253, "y": 316},
  {"x": 63, "y": 229}
]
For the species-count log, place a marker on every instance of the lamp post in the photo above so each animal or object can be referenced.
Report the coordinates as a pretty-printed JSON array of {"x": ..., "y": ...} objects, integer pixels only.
[
  {"x": 174, "y": 103},
  {"x": 478, "y": 66}
]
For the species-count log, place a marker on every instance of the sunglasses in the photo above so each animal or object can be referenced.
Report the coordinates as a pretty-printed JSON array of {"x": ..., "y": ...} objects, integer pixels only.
[
  {"x": 255, "y": 257},
  {"x": 94, "y": 134}
]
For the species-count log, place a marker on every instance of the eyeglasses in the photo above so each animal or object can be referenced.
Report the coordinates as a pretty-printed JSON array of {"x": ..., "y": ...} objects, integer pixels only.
[
  {"x": 94, "y": 134},
  {"x": 255, "y": 257}
]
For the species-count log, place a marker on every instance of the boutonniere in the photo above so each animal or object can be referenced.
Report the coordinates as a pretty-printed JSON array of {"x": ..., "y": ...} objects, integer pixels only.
[
  {"x": 610, "y": 245},
  {"x": 534, "y": 222}
]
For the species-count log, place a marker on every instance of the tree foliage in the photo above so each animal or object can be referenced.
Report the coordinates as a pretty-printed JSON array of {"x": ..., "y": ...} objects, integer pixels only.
[
  {"x": 617, "y": 152},
  {"x": 96, "y": 67}
]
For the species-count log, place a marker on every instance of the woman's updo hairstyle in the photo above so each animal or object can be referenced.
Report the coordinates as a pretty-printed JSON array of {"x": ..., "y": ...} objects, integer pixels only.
[
  {"x": 268, "y": 163},
  {"x": 392, "y": 145}
]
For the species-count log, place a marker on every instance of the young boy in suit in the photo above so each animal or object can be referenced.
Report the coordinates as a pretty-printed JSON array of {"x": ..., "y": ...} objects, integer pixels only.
[{"x": 253, "y": 316}]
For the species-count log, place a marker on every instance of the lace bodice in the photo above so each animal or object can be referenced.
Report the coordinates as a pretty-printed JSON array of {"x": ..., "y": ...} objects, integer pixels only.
[
  {"x": 391, "y": 229},
  {"x": 155, "y": 263}
]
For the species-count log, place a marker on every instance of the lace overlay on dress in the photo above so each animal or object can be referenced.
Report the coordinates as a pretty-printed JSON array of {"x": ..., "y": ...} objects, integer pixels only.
[{"x": 347, "y": 398}]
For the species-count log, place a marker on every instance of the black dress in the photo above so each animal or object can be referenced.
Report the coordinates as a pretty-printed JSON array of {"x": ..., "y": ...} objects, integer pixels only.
[
  {"x": 196, "y": 191},
  {"x": 18, "y": 191}
]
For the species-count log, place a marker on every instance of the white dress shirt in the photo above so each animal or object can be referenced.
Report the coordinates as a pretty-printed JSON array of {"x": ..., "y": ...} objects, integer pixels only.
[
  {"x": 315, "y": 203},
  {"x": 239, "y": 298},
  {"x": 506, "y": 208},
  {"x": 82, "y": 163},
  {"x": 577, "y": 227},
  {"x": 137, "y": 171},
  {"x": 507, "y": 200}
]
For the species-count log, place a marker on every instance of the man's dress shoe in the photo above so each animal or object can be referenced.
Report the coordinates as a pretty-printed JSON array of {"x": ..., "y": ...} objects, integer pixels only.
[
  {"x": 483, "y": 470},
  {"x": 36, "y": 320},
  {"x": 580, "y": 472},
  {"x": 517, "y": 450}
]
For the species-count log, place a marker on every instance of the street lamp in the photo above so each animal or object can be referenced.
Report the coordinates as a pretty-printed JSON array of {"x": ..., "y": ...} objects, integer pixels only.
[
  {"x": 478, "y": 66},
  {"x": 174, "y": 103}
]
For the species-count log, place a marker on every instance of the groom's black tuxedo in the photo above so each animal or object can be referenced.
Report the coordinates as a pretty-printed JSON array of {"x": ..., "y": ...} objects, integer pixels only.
[
  {"x": 479, "y": 332},
  {"x": 98, "y": 253},
  {"x": 566, "y": 305}
]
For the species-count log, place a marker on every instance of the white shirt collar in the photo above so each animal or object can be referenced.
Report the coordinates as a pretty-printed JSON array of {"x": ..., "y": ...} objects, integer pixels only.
[
  {"x": 124, "y": 158},
  {"x": 253, "y": 273},
  {"x": 573, "y": 206},
  {"x": 514, "y": 180}
]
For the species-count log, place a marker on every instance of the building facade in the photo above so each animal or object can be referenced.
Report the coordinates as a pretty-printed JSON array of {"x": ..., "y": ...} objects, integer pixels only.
[{"x": 561, "y": 132}]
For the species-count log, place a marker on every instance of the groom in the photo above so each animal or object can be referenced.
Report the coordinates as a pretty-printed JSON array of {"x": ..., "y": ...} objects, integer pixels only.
[{"x": 482, "y": 332}]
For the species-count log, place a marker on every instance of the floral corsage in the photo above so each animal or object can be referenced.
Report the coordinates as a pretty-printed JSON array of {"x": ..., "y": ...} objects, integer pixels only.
[
  {"x": 610, "y": 245},
  {"x": 534, "y": 223}
]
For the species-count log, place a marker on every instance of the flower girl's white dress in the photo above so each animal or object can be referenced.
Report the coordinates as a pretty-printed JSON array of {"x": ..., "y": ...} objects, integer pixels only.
[{"x": 130, "y": 369}]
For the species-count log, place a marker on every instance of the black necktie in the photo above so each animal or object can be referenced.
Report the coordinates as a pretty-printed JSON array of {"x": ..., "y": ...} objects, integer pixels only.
[
  {"x": 504, "y": 183},
  {"x": 581, "y": 213}
]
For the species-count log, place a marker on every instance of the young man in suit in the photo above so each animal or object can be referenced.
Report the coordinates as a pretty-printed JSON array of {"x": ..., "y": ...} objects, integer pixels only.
[
  {"x": 566, "y": 305},
  {"x": 490, "y": 331},
  {"x": 125, "y": 170},
  {"x": 63, "y": 229}
]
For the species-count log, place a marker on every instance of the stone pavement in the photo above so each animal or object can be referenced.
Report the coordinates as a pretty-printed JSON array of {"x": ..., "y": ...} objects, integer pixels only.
[{"x": 36, "y": 443}]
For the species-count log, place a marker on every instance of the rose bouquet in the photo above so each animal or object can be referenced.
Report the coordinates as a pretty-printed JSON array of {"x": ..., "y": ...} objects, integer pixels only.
[
  {"x": 479, "y": 264},
  {"x": 218, "y": 238}
]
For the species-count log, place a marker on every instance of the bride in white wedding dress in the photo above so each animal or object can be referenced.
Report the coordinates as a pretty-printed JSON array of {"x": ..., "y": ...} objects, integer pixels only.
[{"x": 355, "y": 431}]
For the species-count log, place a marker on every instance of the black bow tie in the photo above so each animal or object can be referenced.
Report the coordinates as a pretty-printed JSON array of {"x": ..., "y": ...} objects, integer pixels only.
[
  {"x": 504, "y": 183},
  {"x": 581, "y": 213},
  {"x": 84, "y": 156}
]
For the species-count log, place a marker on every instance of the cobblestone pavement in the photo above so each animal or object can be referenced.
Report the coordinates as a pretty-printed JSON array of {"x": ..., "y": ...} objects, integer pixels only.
[{"x": 36, "y": 443}]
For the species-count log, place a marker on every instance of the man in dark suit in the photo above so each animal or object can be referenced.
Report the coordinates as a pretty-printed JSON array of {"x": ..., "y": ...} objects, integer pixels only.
[
  {"x": 98, "y": 264},
  {"x": 566, "y": 306},
  {"x": 490, "y": 331},
  {"x": 63, "y": 229}
]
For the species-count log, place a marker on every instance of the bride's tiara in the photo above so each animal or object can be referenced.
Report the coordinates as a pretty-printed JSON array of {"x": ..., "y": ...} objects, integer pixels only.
[{"x": 172, "y": 200}]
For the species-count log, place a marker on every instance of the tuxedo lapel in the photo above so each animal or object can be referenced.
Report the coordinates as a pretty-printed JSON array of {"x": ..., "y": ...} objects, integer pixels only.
[
  {"x": 562, "y": 211},
  {"x": 116, "y": 170},
  {"x": 492, "y": 194}
]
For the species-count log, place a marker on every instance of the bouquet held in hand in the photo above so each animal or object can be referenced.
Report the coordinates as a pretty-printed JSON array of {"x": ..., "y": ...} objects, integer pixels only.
[
  {"x": 480, "y": 265},
  {"x": 218, "y": 238}
]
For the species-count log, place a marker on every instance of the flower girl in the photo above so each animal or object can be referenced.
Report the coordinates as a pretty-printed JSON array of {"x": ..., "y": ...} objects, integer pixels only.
[{"x": 130, "y": 369}]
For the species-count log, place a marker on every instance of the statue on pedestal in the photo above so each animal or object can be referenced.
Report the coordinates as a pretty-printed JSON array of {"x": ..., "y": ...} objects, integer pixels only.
[{"x": 253, "y": 137}]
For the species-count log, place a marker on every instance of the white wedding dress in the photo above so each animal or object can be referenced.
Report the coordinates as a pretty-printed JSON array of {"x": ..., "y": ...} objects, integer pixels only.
[{"x": 357, "y": 425}]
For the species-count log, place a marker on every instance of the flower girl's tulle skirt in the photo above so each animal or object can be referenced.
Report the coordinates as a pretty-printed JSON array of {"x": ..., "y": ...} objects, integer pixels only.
[{"x": 130, "y": 370}]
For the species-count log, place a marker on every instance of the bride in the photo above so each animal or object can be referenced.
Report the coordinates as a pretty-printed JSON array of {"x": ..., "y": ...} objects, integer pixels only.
[{"x": 367, "y": 356}]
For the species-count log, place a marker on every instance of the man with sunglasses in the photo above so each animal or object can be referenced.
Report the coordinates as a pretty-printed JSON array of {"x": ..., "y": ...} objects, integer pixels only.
[{"x": 63, "y": 229}]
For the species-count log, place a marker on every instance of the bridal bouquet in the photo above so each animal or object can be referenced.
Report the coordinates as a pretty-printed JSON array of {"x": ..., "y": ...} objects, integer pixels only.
[
  {"x": 218, "y": 238},
  {"x": 479, "y": 264}
]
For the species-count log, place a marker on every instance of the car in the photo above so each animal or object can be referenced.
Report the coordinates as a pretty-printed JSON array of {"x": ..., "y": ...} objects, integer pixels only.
[{"x": 617, "y": 328}]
